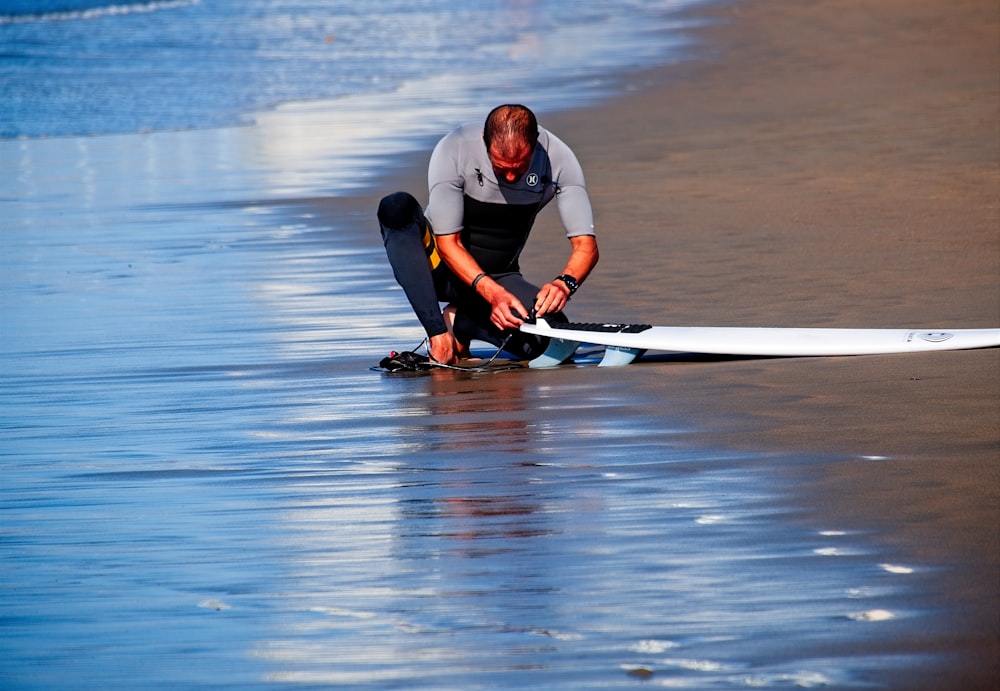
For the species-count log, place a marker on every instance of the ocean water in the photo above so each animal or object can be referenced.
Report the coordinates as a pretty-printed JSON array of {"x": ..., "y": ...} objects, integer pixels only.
[
  {"x": 204, "y": 484},
  {"x": 81, "y": 67}
]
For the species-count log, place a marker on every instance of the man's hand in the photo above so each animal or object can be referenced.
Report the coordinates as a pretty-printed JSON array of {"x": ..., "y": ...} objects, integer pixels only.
[
  {"x": 551, "y": 298},
  {"x": 508, "y": 312}
]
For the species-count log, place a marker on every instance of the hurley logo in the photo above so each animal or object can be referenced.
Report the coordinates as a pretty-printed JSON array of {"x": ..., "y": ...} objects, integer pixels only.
[{"x": 532, "y": 179}]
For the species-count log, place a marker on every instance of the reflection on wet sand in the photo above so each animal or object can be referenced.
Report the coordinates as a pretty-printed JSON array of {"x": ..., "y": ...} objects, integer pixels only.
[{"x": 512, "y": 540}]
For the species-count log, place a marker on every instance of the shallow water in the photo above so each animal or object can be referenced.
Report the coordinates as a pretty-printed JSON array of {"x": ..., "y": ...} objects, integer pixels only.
[{"x": 206, "y": 485}]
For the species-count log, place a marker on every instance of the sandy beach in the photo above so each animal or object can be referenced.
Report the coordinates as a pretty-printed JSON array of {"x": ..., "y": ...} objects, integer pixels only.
[{"x": 832, "y": 164}]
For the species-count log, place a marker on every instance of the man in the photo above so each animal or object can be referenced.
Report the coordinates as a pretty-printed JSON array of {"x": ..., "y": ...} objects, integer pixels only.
[{"x": 486, "y": 185}]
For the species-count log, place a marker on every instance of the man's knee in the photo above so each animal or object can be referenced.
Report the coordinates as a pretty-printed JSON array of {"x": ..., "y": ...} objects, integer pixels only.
[{"x": 399, "y": 210}]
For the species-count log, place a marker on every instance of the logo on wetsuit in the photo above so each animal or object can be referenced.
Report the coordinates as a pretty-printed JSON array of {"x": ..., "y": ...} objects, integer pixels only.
[
  {"x": 431, "y": 247},
  {"x": 531, "y": 179}
]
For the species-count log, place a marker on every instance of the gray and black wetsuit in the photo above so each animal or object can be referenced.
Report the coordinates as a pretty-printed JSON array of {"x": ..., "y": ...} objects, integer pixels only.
[{"x": 494, "y": 218}]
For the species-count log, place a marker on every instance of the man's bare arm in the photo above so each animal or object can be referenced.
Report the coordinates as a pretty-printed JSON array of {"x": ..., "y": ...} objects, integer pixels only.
[{"x": 555, "y": 294}]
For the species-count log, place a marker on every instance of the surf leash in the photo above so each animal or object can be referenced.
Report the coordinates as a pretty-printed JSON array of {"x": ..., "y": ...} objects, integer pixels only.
[{"x": 412, "y": 361}]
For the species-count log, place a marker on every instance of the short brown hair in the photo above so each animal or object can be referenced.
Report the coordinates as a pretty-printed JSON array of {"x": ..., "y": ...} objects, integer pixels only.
[{"x": 509, "y": 125}]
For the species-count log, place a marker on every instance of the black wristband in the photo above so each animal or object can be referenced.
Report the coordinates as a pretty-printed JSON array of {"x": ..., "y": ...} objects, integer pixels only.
[
  {"x": 570, "y": 282},
  {"x": 476, "y": 281}
]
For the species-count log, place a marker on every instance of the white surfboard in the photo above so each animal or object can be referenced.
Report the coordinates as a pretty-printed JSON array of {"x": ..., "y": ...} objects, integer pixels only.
[{"x": 625, "y": 342}]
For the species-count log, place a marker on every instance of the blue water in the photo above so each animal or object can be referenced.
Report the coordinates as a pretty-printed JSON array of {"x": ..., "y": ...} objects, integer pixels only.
[
  {"x": 204, "y": 484},
  {"x": 80, "y": 68}
]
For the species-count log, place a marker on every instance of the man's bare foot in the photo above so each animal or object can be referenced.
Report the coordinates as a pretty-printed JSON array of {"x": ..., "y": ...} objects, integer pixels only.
[
  {"x": 443, "y": 349},
  {"x": 461, "y": 349}
]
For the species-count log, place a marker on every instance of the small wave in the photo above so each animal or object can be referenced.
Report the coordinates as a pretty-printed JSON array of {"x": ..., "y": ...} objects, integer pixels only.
[
  {"x": 872, "y": 615},
  {"x": 97, "y": 12},
  {"x": 652, "y": 646},
  {"x": 896, "y": 568}
]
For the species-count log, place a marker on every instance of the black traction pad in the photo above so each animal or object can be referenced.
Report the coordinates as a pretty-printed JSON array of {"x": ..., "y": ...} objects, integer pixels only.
[{"x": 603, "y": 328}]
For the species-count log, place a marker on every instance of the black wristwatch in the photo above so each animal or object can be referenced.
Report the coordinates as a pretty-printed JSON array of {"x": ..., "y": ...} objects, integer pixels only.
[{"x": 570, "y": 282}]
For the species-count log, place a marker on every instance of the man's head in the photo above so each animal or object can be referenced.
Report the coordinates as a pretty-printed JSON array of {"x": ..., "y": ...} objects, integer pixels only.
[{"x": 510, "y": 134}]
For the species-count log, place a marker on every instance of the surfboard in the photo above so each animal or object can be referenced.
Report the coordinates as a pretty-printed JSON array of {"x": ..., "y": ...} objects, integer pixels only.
[{"x": 625, "y": 342}]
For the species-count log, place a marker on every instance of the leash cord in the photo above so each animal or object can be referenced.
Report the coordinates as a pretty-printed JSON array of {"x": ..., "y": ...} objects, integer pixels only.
[{"x": 477, "y": 368}]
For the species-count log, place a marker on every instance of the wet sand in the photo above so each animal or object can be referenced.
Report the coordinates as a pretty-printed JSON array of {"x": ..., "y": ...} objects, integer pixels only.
[{"x": 832, "y": 164}]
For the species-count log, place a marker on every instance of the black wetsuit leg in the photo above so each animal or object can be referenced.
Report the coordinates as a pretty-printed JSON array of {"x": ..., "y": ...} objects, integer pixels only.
[{"x": 402, "y": 225}]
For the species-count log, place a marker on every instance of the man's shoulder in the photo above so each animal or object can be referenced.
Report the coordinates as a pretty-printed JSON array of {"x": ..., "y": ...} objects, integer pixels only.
[
  {"x": 550, "y": 141},
  {"x": 461, "y": 143},
  {"x": 469, "y": 131}
]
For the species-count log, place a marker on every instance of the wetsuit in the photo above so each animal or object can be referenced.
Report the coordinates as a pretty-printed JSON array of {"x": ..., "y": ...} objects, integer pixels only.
[{"x": 494, "y": 218}]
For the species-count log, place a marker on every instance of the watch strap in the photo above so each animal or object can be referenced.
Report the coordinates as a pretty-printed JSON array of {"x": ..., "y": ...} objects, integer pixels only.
[{"x": 570, "y": 282}]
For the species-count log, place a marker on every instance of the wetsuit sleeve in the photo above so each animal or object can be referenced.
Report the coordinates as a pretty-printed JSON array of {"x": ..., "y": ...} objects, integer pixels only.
[
  {"x": 572, "y": 200},
  {"x": 575, "y": 211},
  {"x": 445, "y": 205}
]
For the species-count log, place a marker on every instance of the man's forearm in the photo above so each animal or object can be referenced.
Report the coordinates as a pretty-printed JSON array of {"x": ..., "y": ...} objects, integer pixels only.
[
  {"x": 554, "y": 295},
  {"x": 458, "y": 259},
  {"x": 583, "y": 258}
]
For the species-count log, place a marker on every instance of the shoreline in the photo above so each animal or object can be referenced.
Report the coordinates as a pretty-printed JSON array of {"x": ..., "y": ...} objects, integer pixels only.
[{"x": 827, "y": 165}]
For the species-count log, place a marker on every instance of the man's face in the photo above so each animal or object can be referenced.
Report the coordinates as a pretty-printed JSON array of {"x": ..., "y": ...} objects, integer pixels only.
[{"x": 511, "y": 167}]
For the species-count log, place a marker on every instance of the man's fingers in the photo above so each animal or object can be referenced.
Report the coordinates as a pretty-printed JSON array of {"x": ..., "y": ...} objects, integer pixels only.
[
  {"x": 517, "y": 312},
  {"x": 550, "y": 299},
  {"x": 508, "y": 312},
  {"x": 508, "y": 316}
]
